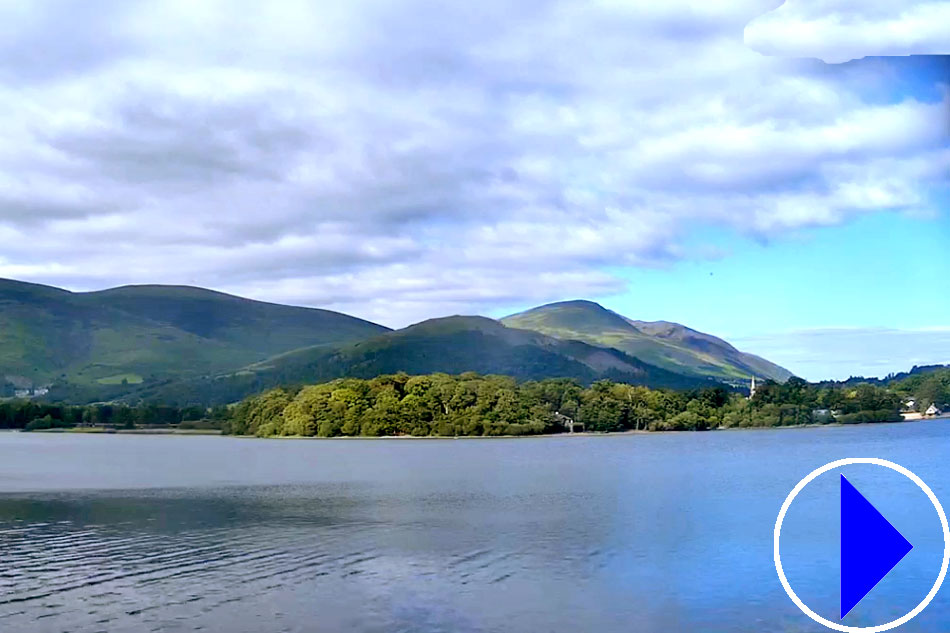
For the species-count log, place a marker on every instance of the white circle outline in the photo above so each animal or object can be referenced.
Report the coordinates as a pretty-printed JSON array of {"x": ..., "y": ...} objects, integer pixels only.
[{"x": 876, "y": 462}]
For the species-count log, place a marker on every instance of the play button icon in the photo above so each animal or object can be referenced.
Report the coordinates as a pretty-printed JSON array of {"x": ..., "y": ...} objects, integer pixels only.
[{"x": 870, "y": 547}]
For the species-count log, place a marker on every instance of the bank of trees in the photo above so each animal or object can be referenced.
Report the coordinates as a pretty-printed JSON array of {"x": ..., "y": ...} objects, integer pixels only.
[
  {"x": 926, "y": 388},
  {"x": 476, "y": 405},
  {"x": 32, "y": 415}
]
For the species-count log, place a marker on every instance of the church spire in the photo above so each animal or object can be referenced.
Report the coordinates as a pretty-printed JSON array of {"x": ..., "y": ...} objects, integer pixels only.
[{"x": 752, "y": 388}]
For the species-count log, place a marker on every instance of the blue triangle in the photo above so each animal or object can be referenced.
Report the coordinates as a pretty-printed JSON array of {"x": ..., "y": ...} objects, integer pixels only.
[{"x": 870, "y": 547}]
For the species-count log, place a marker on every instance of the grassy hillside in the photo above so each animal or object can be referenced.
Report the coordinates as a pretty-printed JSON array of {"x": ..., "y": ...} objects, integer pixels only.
[
  {"x": 265, "y": 328},
  {"x": 150, "y": 332},
  {"x": 451, "y": 345},
  {"x": 667, "y": 345},
  {"x": 710, "y": 347},
  {"x": 460, "y": 344}
]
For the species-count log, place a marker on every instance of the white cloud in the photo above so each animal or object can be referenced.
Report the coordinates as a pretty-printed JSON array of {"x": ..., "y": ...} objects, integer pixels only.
[
  {"x": 842, "y": 30},
  {"x": 404, "y": 160}
]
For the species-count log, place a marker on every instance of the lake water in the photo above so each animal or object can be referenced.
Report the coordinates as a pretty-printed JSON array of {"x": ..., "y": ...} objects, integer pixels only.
[{"x": 636, "y": 533}]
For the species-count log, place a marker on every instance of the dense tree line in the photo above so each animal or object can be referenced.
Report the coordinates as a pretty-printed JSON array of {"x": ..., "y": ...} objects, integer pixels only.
[
  {"x": 476, "y": 405},
  {"x": 927, "y": 388},
  {"x": 33, "y": 415}
]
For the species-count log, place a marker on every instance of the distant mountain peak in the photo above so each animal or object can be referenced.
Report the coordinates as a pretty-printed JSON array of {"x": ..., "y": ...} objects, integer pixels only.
[
  {"x": 665, "y": 344},
  {"x": 470, "y": 319},
  {"x": 455, "y": 322},
  {"x": 584, "y": 303},
  {"x": 564, "y": 319},
  {"x": 578, "y": 304}
]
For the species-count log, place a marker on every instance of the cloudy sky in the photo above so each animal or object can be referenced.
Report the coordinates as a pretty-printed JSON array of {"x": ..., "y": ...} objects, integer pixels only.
[{"x": 751, "y": 169}]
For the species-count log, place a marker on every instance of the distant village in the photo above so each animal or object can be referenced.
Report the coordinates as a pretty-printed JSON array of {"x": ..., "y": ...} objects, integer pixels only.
[
  {"x": 21, "y": 388},
  {"x": 30, "y": 393},
  {"x": 909, "y": 409},
  {"x": 935, "y": 410}
]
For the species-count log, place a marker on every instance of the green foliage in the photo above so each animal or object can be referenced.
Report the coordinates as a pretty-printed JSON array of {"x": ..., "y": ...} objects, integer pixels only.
[
  {"x": 398, "y": 404},
  {"x": 798, "y": 402},
  {"x": 121, "y": 379},
  {"x": 45, "y": 423},
  {"x": 932, "y": 387},
  {"x": 868, "y": 415},
  {"x": 31, "y": 415},
  {"x": 261, "y": 415},
  {"x": 475, "y": 405}
]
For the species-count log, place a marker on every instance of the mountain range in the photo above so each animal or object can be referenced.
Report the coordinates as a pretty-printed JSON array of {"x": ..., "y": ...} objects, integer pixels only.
[{"x": 182, "y": 345}]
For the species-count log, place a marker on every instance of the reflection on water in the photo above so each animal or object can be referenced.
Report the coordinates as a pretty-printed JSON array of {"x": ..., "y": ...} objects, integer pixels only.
[
  {"x": 295, "y": 558},
  {"x": 643, "y": 533}
]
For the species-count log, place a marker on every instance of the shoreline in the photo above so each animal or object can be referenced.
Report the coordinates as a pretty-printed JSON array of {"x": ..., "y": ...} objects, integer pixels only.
[
  {"x": 79, "y": 430},
  {"x": 585, "y": 433},
  {"x": 218, "y": 433}
]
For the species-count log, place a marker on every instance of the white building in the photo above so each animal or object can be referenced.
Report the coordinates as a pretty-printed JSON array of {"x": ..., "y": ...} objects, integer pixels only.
[
  {"x": 933, "y": 410},
  {"x": 567, "y": 422}
]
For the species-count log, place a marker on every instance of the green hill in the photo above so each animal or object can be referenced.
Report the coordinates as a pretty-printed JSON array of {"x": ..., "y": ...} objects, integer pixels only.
[
  {"x": 150, "y": 332},
  {"x": 459, "y": 344},
  {"x": 264, "y": 328},
  {"x": 451, "y": 345},
  {"x": 666, "y": 345}
]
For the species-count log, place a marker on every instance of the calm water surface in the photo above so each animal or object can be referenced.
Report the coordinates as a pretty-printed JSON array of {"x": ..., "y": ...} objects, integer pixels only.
[{"x": 660, "y": 532}]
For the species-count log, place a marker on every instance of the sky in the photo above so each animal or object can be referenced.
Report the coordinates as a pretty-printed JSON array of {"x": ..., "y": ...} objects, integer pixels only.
[{"x": 775, "y": 174}]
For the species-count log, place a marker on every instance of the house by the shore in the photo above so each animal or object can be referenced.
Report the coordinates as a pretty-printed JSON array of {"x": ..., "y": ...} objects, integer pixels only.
[
  {"x": 567, "y": 422},
  {"x": 933, "y": 411}
]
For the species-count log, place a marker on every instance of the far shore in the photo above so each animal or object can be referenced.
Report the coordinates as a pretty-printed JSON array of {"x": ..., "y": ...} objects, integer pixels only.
[
  {"x": 98, "y": 430},
  {"x": 586, "y": 433},
  {"x": 214, "y": 432}
]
